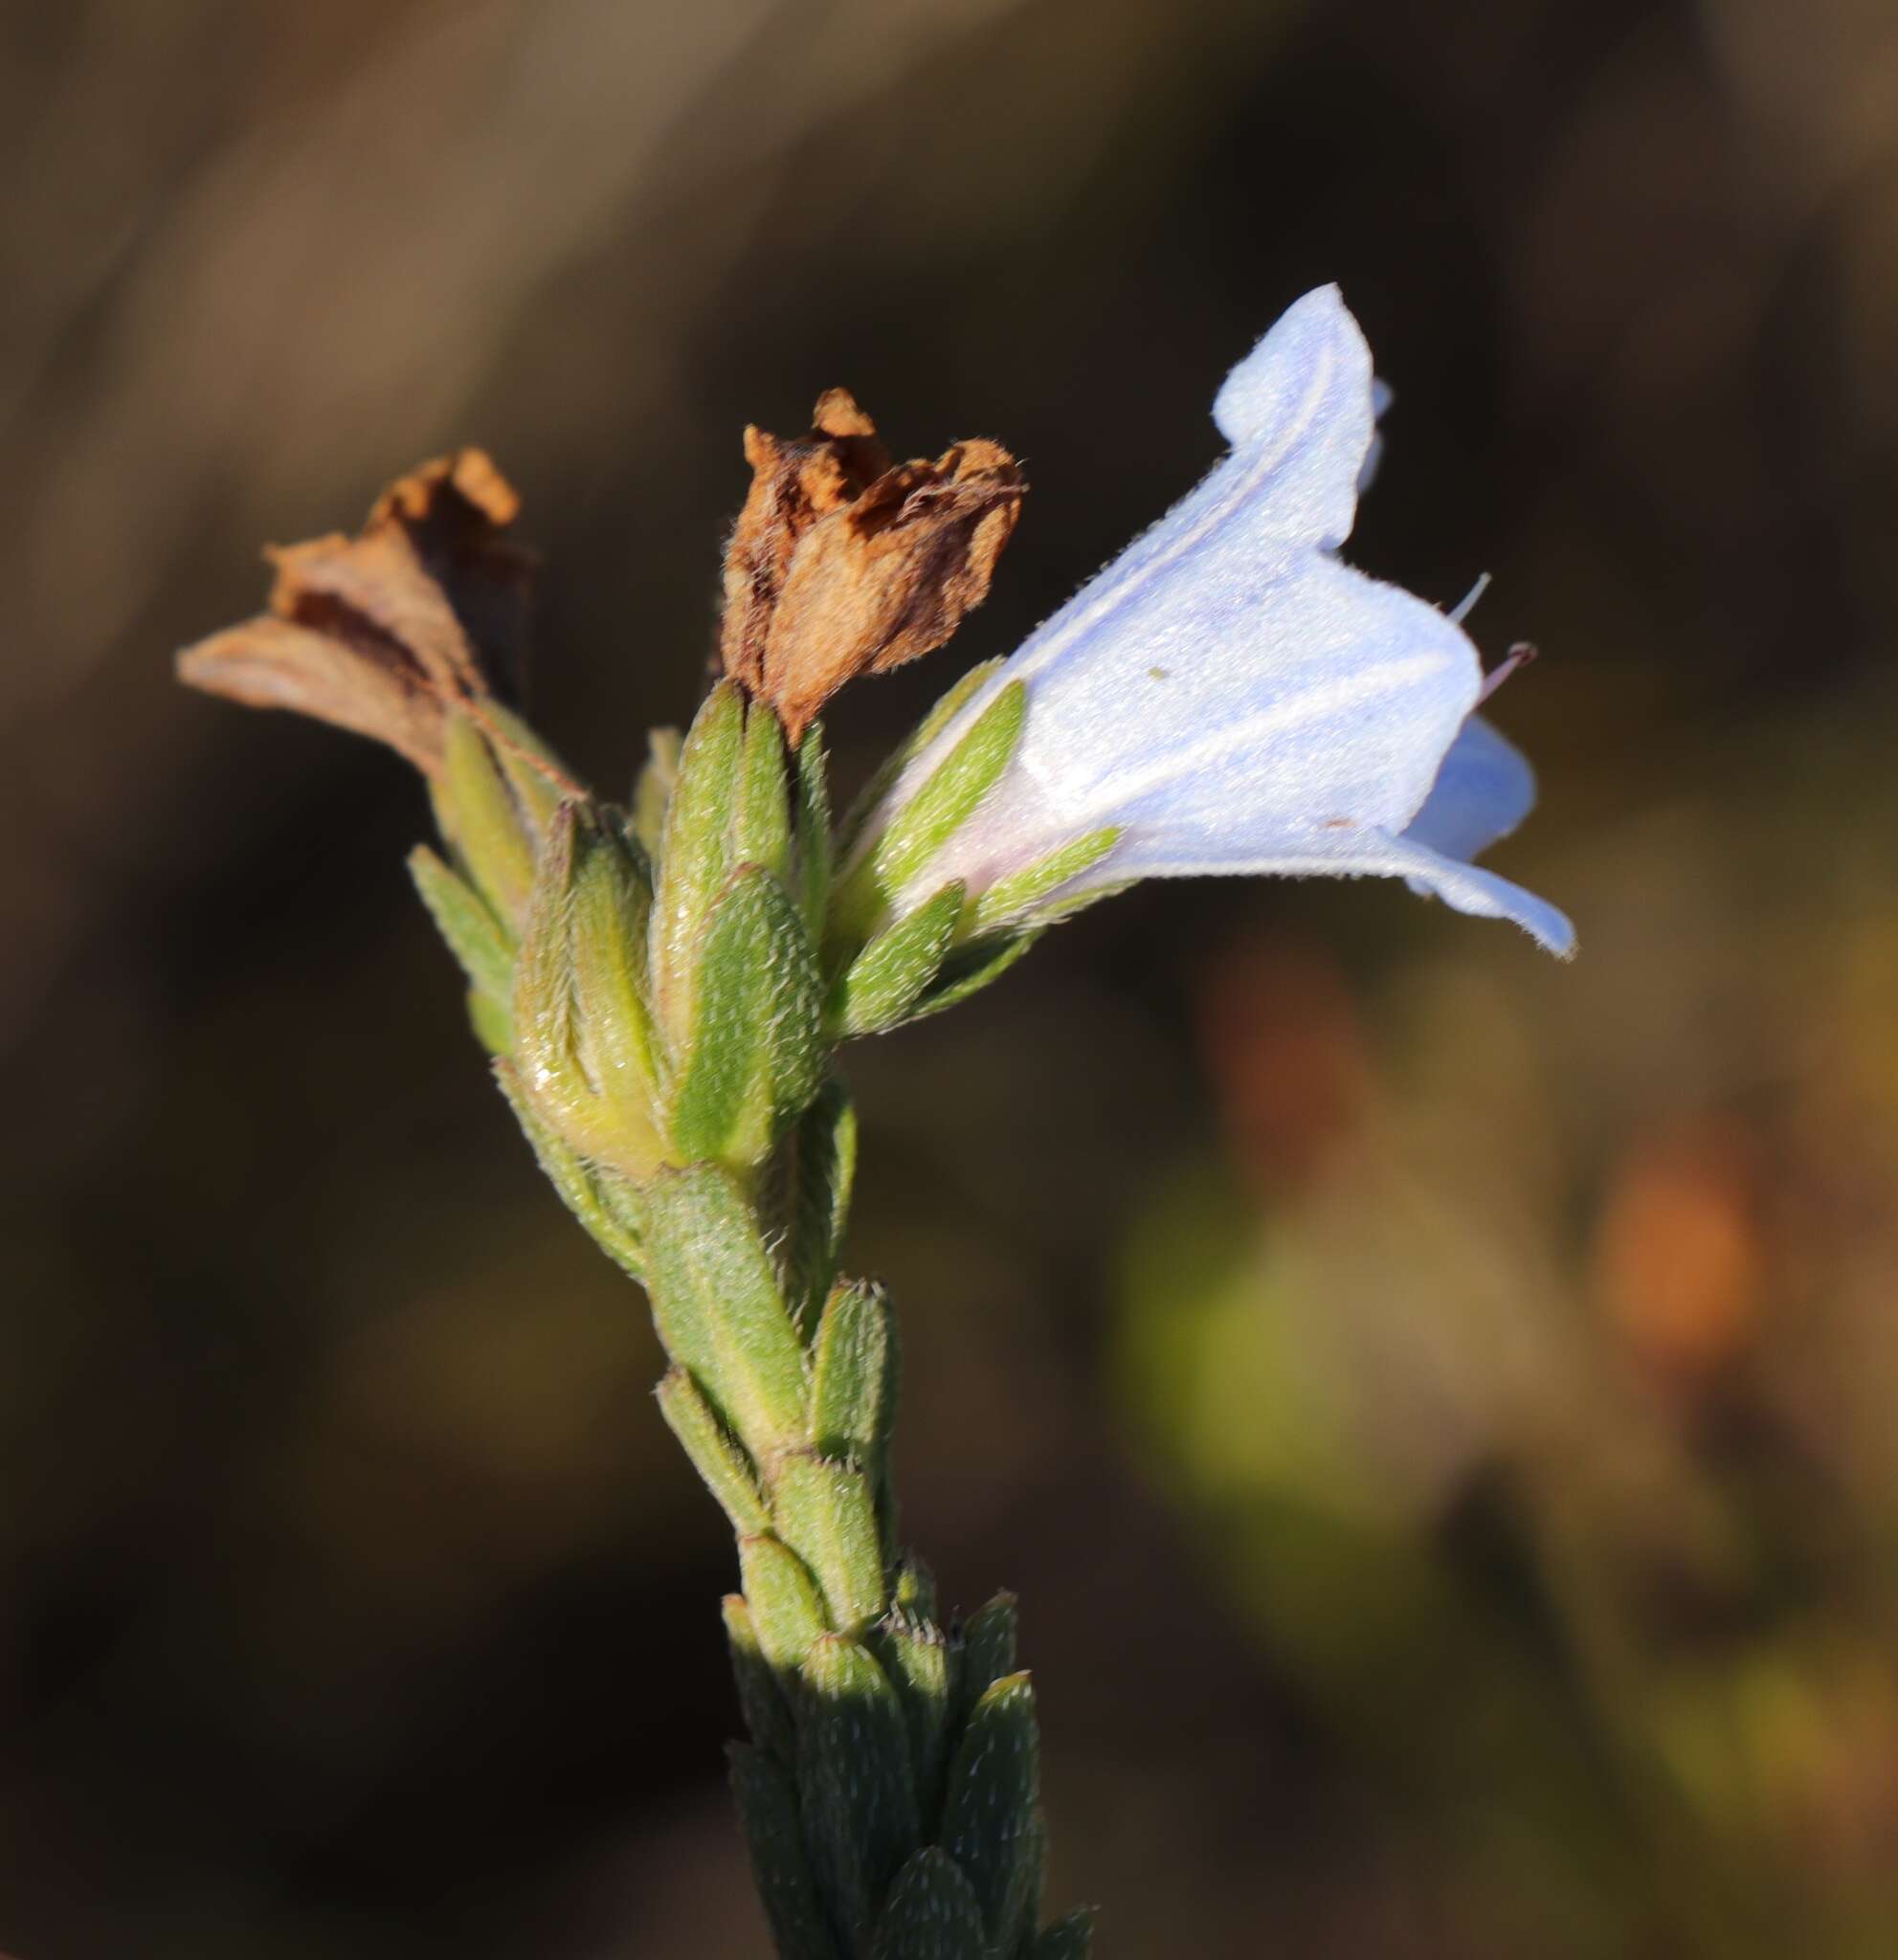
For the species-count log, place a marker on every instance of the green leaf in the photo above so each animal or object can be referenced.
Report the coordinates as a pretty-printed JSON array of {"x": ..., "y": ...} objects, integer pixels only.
[
  {"x": 884, "y": 981},
  {"x": 583, "y": 1193},
  {"x": 985, "y": 1653},
  {"x": 990, "y": 1824},
  {"x": 773, "y": 1831},
  {"x": 786, "y": 1609},
  {"x": 716, "y": 1454},
  {"x": 695, "y": 853},
  {"x": 853, "y": 1373},
  {"x": 916, "y": 1657},
  {"x": 823, "y": 1173},
  {"x": 908, "y": 749},
  {"x": 857, "y": 1792},
  {"x": 925, "y": 822},
  {"x": 813, "y": 799},
  {"x": 652, "y": 793},
  {"x": 761, "y": 823},
  {"x": 716, "y": 1303},
  {"x": 1067, "y": 1939},
  {"x": 826, "y": 1512},
  {"x": 760, "y": 1695},
  {"x": 755, "y": 1057},
  {"x": 931, "y": 1914},
  {"x": 1008, "y": 898},
  {"x": 484, "y": 822}
]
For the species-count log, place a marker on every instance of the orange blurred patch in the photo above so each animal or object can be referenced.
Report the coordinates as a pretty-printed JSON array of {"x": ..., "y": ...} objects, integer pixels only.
[
  {"x": 1284, "y": 1048},
  {"x": 1678, "y": 1254}
]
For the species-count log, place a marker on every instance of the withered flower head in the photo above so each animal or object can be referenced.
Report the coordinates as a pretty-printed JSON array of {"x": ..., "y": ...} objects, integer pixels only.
[
  {"x": 425, "y": 607},
  {"x": 842, "y": 564}
]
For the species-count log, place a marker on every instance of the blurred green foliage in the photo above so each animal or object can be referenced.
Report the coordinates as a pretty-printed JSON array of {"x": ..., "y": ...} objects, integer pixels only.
[{"x": 1526, "y": 1359}]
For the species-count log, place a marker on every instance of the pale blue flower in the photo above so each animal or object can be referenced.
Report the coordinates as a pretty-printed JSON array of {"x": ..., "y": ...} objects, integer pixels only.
[{"x": 1230, "y": 698}]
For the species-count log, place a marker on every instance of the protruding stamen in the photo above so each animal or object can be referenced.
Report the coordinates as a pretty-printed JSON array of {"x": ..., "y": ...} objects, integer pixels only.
[
  {"x": 1462, "y": 609},
  {"x": 1519, "y": 656}
]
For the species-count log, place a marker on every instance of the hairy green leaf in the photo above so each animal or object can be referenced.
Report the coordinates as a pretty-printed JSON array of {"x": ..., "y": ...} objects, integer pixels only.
[
  {"x": 932, "y": 1913},
  {"x": 767, "y": 1807},
  {"x": 855, "y": 1783},
  {"x": 826, "y": 1512},
  {"x": 716, "y": 1302}
]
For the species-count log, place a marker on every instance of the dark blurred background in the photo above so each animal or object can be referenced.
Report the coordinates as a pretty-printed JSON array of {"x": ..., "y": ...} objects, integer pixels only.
[{"x": 1440, "y": 1407}]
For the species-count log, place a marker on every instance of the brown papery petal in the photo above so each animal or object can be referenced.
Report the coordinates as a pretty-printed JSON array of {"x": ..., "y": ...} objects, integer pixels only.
[
  {"x": 841, "y": 565},
  {"x": 427, "y": 604}
]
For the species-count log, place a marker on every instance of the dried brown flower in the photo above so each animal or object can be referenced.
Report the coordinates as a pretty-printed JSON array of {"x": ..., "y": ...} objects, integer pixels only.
[
  {"x": 426, "y": 605},
  {"x": 842, "y": 564}
]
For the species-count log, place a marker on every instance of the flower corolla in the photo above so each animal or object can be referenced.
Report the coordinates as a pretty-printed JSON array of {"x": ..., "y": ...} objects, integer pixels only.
[{"x": 1229, "y": 696}]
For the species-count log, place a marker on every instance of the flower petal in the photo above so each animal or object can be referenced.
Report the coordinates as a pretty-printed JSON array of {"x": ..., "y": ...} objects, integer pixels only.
[
  {"x": 1286, "y": 691},
  {"x": 1301, "y": 403},
  {"x": 1298, "y": 413},
  {"x": 1342, "y": 854},
  {"x": 1484, "y": 791}
]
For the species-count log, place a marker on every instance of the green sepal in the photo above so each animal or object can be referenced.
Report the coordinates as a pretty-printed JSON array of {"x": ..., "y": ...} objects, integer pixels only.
[
  {"x": 908, "y": 749},
  {"x": 1067, "y": 1939},
  {"x": 916, "y": 1657},
  {"x": 812, "y": 796},
  {"x": 536, "y": 776},
  {"x": 885, "y": 980},
  {"x": 716, "y": 1454},
  {"x": 853, "y": 1373},
  {"x": 1021, "y": 892},
  {"x": 482, "y": 819},
  {"x": 695, "y": 857},
  {"x": 582, "y": 1039},
  {"x": 826, "y": 1511},
  {"x": 985, "y": 1652},
  {"x": 855, "y": 1784},
  {"x": 787, "y": 1610},
  {"x": 1079, "y": 901},
  {"x": 760, "y": 1694},
  {"x": 932, "y": 1913},
  {"x": 760, "y": 821},
  {"x": 939, "y": 806},
  {"x": 607, "y": 903},
  {"x": 972, "y": 968},
  {"x": 773, "y": 1832},
  {"x": 587, "y": 1194},
  {"x": 652, "y": 792},
  {"x": 990, "y": 1824},
  {"x": 822, "y": 1171},
  {"x": 716, "y": 1302},
  {"x": 493, "y": 1024},
  {"x": 472, "y": 931},
  {"x": 755, "y": 1055}
]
